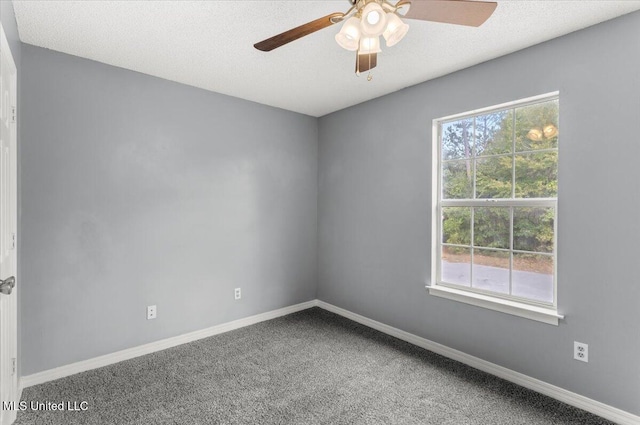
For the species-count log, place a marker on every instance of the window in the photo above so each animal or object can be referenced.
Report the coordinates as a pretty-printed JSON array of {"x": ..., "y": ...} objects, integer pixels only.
[{"x": 495, "y": 207}]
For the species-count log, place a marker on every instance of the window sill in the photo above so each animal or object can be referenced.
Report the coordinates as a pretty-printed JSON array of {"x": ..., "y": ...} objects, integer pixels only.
[{"x": 540, "y": 314}]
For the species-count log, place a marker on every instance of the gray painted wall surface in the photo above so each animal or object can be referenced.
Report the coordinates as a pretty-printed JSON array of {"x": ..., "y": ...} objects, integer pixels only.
[
  {"x": 375, "y": 219},
  {"x": 140, "y": 191},
  {"x": 10, "y": 27}
]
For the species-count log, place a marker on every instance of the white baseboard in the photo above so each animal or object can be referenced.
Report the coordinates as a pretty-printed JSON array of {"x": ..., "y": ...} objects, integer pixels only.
[
  {"x": 130, "y": 353},
  {"x": 603, "y": 410},
  {"x": 608, "y": 412}
]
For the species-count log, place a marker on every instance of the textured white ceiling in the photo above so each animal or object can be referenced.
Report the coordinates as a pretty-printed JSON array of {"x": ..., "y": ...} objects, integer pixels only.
[{"x": 209, "y": 44}]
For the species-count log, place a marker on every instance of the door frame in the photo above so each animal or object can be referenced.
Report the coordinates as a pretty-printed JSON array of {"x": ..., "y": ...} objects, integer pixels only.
[{"x": 13, "y": 169}]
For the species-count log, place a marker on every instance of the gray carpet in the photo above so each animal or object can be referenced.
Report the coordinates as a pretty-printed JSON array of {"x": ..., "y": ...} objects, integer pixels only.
[{"x": 311, "y": 367}]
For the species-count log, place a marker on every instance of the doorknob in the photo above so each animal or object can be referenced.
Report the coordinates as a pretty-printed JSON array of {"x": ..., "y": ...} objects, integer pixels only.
[{"x": 6, "y": 286}]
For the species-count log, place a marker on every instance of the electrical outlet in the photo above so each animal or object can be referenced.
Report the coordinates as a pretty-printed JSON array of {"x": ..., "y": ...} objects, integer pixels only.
[
  {"x": 581, "y": 351},
  {"x": 152, "y": 312},
  {"x": 237, "y": 294}
]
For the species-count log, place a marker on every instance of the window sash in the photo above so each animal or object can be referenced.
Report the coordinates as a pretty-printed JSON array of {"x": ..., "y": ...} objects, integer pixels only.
[
  {"x": 500, "y": 202},
  {"x": 439, "y": 203},
  {"x": 548, "y": 97},
  {"x": 549, "y": 203}
]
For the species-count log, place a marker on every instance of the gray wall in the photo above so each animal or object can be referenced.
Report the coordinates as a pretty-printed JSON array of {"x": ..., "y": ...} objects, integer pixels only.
[
  {"x": 140, "y": 191},
  {"x": 375, "y": 220},
  {"x": 10, "y": 26}
]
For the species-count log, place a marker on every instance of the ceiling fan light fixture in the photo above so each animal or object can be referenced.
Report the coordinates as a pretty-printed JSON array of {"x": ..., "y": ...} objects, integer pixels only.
[
  {"x": 374, "y": 20},
  {"x": 535, "y": 134},
  {"x": 396, "y": 29},
  {"x": 550, "y": 131},
  {"x": 349, "y": 36},
  {"x": 369, "y": 45}
]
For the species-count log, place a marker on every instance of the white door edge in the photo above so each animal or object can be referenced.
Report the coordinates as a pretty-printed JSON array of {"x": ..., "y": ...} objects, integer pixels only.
[{"x": 8, "y": 329}]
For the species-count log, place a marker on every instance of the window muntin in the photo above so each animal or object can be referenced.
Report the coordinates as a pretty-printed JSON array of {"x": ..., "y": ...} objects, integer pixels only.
[{"x": 497, "y": 201}]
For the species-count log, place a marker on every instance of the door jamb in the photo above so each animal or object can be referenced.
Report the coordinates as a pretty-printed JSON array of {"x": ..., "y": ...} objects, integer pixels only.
[{"x": 4, "y": 46}]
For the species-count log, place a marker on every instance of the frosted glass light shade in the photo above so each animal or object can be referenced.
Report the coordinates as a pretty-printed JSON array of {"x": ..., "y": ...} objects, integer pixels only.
[
  {"x": 396, "y": 29},
  {"x": 535, "y": 134},
  {"x": 369, "y": 45},
  {"x": 374, "y": 20},
  {"x": 349, "y": 35},
  {"x": 550, "y": 131}
]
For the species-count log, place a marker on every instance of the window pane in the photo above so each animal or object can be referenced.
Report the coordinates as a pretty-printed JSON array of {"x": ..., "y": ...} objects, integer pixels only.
[
  {"x": 491, "y": 270},
  {"x": 497, "y": 247},
  {"x": 491, "y": 227},
  {"x": 493, "y": 177},
  {"x": 456, "y": 225},
  {"x": 456, "y": 179},
  {"x": 456, "y": 265},
  {"x": 457, "y": 139},
  {"x": 533, "y": 277},
  {"x": 537, "y": 175},
  {"x": 533, "y": 229},
  {"x": 537, "y": 126},
  {"x": 494, "y": 133}
]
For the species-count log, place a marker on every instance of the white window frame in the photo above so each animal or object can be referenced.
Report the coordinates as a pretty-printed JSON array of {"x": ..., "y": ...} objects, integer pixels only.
[{"x": 542, "y": 312}]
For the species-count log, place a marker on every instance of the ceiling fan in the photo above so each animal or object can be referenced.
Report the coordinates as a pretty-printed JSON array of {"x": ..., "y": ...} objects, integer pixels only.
[{"x": 367, "y": 20}]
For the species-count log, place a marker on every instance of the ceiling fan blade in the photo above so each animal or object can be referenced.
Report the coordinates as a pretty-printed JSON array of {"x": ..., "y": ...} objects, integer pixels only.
[
  {"x": 298, "y": 32},
  {"x": 460, "y": 12},
  {"x": 366, "y": 62}
]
